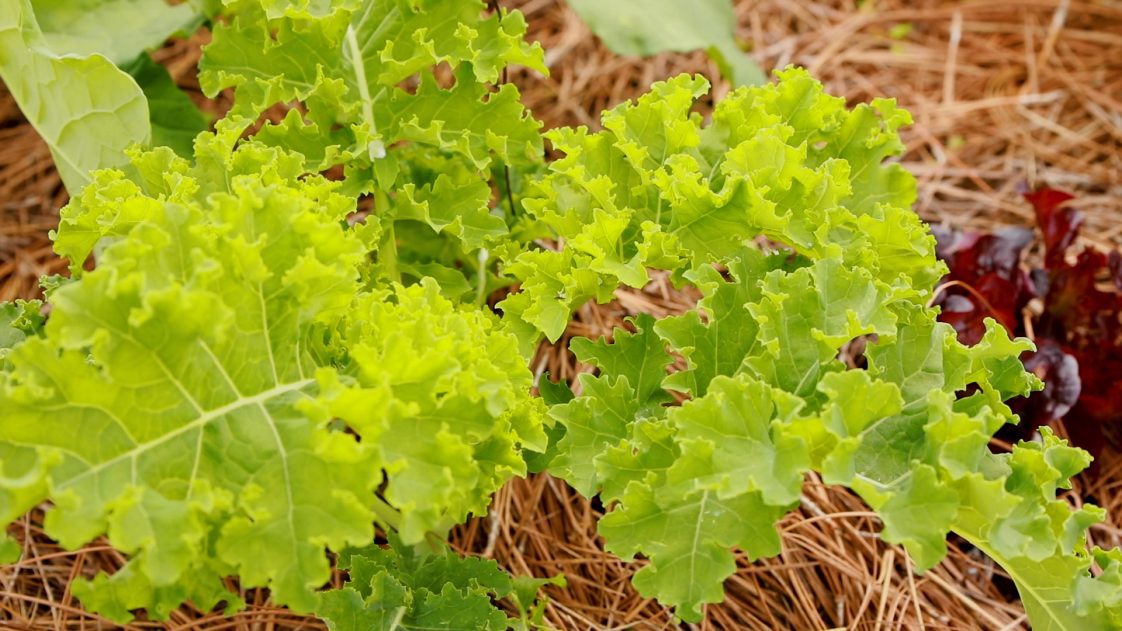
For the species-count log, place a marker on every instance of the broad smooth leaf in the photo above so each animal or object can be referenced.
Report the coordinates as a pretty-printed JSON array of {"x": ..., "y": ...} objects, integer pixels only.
[
  {"x": 120, "y": 30},
  {"x": 86, "y": 109},
  {"x": 649, "y": 27}
]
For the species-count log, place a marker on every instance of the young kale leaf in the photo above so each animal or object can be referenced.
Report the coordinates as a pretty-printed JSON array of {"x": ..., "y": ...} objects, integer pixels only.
[
  {"x": 224, "y": 392},
  {"x": 842, "y": 259}
]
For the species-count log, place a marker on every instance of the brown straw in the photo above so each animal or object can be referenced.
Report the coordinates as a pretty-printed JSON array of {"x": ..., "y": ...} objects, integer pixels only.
[{"x": 1005, "y": 94}]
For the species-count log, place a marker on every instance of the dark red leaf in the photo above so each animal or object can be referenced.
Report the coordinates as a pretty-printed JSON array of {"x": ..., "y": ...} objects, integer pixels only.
[
  {"x": 1100, "y": 401},
  {"x": 965, "y": 313},
  {"x": 972, "y": 256},
  {"x": 949, "y": 241},
  {"x": 1078, "y": 331},
  {"x": 1062, "y": 385},
  {"x": 986, "y": 280},
  {"x": 1115, "y": 264},
  {"x": 1101, "y": 397},
  {"x": 1074, "y": 306},
  {"x": 1059, "y": 225}
]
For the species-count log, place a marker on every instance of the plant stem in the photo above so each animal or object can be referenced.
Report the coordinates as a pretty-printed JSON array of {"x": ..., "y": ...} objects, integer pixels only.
[
  {"x": 386, "y": 515},
  {"x": 481, "y": 282},
  {"x": 387, "y": 246},
  {"x": 375, "y": 149}
]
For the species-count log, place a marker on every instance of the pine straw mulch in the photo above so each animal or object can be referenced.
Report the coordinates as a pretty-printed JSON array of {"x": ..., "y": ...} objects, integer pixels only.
[{"x": 1005, "y": 95}]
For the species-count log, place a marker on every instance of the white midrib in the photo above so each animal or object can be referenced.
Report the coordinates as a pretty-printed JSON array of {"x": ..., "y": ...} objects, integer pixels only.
[
  {"x": 697, "y": 540},
  {"x": 360, "y": 79},
  {"x": 397, "y": 619},
  {"x": 201, "y": 421}
]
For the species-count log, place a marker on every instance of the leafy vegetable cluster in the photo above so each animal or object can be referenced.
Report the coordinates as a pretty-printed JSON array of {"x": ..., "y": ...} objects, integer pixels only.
[
  {"x": 278, "y": 345},
  {"x": 253, "y": 372},
  {"x": 844, "y": 264},
  {"x": 194, "y": 395},
  {"x": 81, "y": 74},
  {"x": 1076, "y": 328},
  {"x": 395, "y": 588}
]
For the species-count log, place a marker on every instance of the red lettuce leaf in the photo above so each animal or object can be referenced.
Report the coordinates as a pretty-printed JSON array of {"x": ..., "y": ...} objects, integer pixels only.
[
  {"x": 1059, "y": 370},
  {"x": 985, "y": 280},
  {"x": 1077, "y": 328},
  {"x": 1059, "y": 225}
]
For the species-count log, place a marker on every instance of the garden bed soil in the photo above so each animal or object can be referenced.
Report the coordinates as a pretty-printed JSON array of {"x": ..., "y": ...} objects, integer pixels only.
[{"x": 1005, "y": 95}]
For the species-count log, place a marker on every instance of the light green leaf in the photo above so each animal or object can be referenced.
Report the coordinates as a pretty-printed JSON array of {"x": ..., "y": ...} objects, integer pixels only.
[
  {"x": 812, "y": 348},
  {"x": 734, "y": 63},
  {"x": 120, "y": 30},
  {"x": 466, "y": 119},
  {"x": 366, "y": 77},
  {"x": 10, "y": 550},
  {"x": 806, "y": 316},
  {"x": 714, "y": 475},
  {"x": 18, "y": 321},
  {"x": 457, "y": 208},
  {"x": 366, "y": 50},
  {"x": 919, "y": 514},
  {"x": 85, "y": 108},
  {"x": 223, "y": 393},
  {"x": 640, "y": 357},
  {"x": 718, "y": 346},
  {"x": 592, "y": 424},
  {"x": 1040, "y": 541},
  {"x": 648, "y": 27},
  {"x": 530, "y": 602},
  {"x": 689, "y": 542},
  {"x": 659, "y": 188},
  {"x": 738, "y": 433}
]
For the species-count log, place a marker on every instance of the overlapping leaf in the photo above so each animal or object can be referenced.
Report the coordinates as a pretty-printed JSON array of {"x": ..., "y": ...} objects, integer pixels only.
[
  {"x": 814, "y": 350},
  {"x": 1076, "y": 329},
  {"x": 689, "y": 484},
  {"x": 223, "y": 394},
  {"x": 85, "y": 108},
  {"x": 175, "y": 120},
  {"x": 233, "y": 390},
  {"x": 396, "y": 588},
  {"x": 658, "y": 188},
  {"x": 121, "y": 30},
  {"x": 366, "y": 76}
]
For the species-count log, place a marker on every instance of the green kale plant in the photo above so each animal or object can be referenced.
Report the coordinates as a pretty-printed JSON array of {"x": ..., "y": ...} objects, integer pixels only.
[
  {"x": 273, "y": 356},
  {"x": 783, "y": 211}
]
